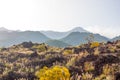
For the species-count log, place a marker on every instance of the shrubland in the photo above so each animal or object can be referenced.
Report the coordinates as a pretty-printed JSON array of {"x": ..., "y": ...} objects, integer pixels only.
[{"x": 33, "y": 61}]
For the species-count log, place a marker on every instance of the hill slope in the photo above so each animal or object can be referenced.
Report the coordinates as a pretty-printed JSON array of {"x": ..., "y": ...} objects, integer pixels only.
[
  {"x": 57, "y": 43},
  {"x": 23, "y": 61},
  {"x": 14, "y": 37},
  {"x": 116, "y": 38},
  {"x": 76, "y": 38}
]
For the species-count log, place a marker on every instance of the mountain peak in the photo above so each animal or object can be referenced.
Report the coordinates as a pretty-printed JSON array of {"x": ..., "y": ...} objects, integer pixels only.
[
  {"x": 78, "y": 29},
  {"x": 4, "y": 29}
]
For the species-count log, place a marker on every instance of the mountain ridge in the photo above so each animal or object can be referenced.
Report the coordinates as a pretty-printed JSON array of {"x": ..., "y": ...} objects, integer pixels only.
[
  {"x": 116, "y": 38},
  {"x": 11, "y": 38},
  {"x": 57, "y": 43},
  {"x": 73, "y": 37},
  {"x": 59, "y": 35}
]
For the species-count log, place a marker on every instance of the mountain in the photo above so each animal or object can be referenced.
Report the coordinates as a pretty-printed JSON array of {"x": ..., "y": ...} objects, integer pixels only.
[
  {"x": 76, "y": 38},
  {"x": 57, "y": 43},
  {"x": 4, "y": 29},
  {"x": 60, "y": 39},
  {"x": 59, "y": 35},
  {"x": 78, "y": 29},
  {"x": 116, "y": 38},
  {"x": 54, "y": 34},
  {"x": 15, "y": 37}
]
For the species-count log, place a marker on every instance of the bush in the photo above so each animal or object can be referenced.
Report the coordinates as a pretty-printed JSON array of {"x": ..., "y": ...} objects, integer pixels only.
[
  {"x": 88, "y": 66},
  {"x": 53, "y": 73},
  {"x": 71, "y": 62},
  {"x": 40, "y": 48},
  {"x": 107, "y": 69},
  {"x": 94, "y": 44},
  {"x": 2, "y": 49},
  {"x": 66, "y": 52},
  {"x": 96, "y": 51},
  {"x": 87, "y": 76},
  {"x": 111, "y": 49}
]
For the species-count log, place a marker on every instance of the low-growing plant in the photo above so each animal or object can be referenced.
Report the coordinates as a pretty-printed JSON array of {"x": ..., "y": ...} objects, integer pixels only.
[
  {"x": 112, "y": 49},
  {"x": 87, "y": 76},
  {"x": 88, "y": 66},
  {"x": 71, "y": 62},
  {"x": 101, "y": 77},
  {"x": 53, "y": 73},
  {"x": 118, "y": 46},
  {"x": 96, "y": 51},
  {"x": 107, "y": 69},
  {"x": 2, "y": 48},
  {"x": 105, "y": 77},
  {"x": 47, "y": 56},
  {"x": 66, "y": 52},
  {"x": 94, "y": 44},
  {"x": 40, "y": 48}
]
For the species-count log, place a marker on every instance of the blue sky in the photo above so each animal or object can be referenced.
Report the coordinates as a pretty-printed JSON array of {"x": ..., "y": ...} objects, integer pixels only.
[{"x": 98, "y": 16}]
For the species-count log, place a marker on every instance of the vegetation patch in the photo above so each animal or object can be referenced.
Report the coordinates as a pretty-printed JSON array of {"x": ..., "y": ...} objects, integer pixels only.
[{"x": 53, "y": 73}]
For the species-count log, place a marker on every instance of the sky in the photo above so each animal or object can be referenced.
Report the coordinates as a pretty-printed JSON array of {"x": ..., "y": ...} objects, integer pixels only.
[{"x": 97, "y": 16}]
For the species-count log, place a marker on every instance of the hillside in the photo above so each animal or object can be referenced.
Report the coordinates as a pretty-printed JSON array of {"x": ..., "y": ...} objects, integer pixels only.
[
  {"x": 54, "y": 34},
  {"x": 94, "y": 61},
  {"x": 57, "y": 43},
  {"x": 76, "y": 38},
  {"x": 115, "y": 38},
  {"x": 15, "y": 37}
]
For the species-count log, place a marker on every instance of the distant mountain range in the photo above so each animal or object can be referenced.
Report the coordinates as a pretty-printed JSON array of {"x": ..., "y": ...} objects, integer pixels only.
[
  {"x": 4, "y": 29},
  {"x": 75, "y": 36},
  {"x": 59, "y": 35},
  {"x": 14, "y": 37}
]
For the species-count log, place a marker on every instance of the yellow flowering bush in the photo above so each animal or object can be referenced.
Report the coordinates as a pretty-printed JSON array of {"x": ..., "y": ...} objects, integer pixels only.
[
  {"x": 94, "y": 44},
  {"x": 66, "y": 52},
  {"x": 53, "y": 73}
]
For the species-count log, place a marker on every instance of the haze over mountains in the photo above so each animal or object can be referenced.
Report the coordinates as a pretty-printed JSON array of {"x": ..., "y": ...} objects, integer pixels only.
[
  {"x": 4, "y": 29},
  {"x": 59, "y": 35},
  {"x": 15, "y": 37},
  {"x": 75, "y": 36}
]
